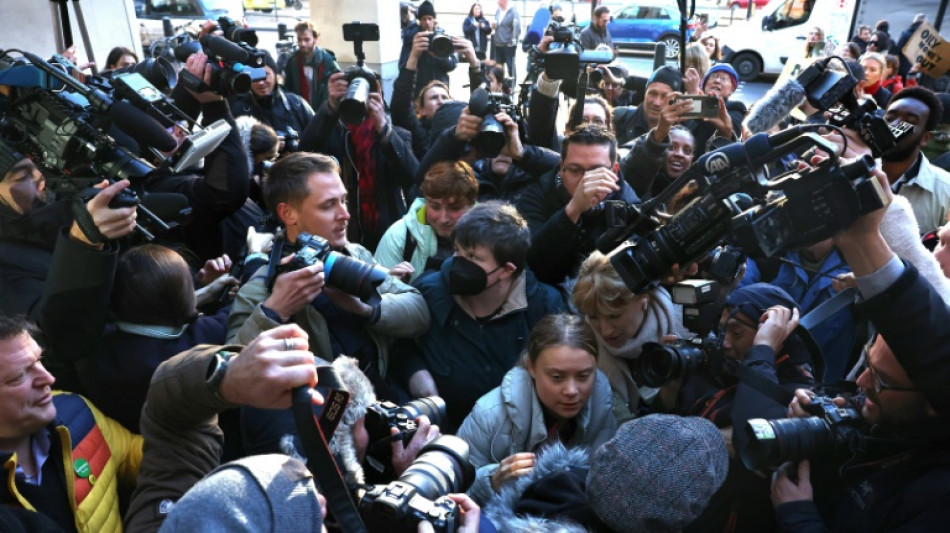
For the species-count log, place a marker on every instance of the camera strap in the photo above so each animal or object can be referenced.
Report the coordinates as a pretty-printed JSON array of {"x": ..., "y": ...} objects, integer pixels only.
[
  {"x": 816, "y": 317},
  {"x": 760, "y": 383},
  {"x": 315, "y": 433}
]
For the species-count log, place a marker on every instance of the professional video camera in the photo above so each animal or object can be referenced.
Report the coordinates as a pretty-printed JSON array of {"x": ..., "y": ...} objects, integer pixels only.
[
  {"x": 566, "y": 58},
  {"x": 772, "y": 442},
  {"x": 61, "y": 124},
  {"x": 235, "y": 63},
  {"x": 346, "y": 273},
  {"x": 739, "y": 203},
  {"x": 381, "y": 417},
  {"x": 362, "y": 80},
  {"x": 830, "y": 90},
  {"x": 420, "y": 493},
  {"x": 491, "y": 137}
]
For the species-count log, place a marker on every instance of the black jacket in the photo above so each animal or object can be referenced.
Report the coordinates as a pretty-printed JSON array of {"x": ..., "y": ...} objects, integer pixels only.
[
  {"x": 280, "y": 110},
  {"x": 218, "y": 191},
  {"x": 900, "y": 482},
  {"x": 558, "y": 245},
  {"x": 629, "y": 123},
  {"x": 395, "y": 167}
]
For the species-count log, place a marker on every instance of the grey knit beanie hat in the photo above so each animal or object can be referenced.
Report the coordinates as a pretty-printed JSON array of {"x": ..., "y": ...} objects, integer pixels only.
[{"x": 658, "y": 473}]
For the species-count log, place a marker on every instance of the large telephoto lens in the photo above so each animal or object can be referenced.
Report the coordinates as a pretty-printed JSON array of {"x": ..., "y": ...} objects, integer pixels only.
[
  {"x": 441, "y": 45},
  {"x": 355, "y": 277},
  {"x": 353, "y": 105},
  {"x": 773, "y": 442},
  {"x": 441, "y": 468}
]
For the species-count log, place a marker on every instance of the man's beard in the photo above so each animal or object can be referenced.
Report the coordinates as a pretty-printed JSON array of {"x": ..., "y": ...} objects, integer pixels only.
[{"x": 899, "y": 153}]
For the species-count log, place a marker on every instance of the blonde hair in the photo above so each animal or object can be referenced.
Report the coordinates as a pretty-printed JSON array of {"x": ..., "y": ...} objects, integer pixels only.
[
  {"x": 697, "y": 58},
  {"x": 599, "y": 289}
]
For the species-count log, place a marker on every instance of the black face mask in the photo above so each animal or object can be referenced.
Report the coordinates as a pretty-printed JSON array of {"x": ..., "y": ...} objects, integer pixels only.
[{"x": 466, "y": 278}]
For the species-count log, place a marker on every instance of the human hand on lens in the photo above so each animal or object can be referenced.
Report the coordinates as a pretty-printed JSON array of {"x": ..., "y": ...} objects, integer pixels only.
[
  {"x": 336, "y": 88},
  {"x": 468, "y": 126},
  {"x": 403, "y": 456}
]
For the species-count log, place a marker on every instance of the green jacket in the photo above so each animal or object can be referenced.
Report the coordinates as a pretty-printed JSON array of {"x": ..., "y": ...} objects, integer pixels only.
[
  {"x": 403, "y": 313},
  {"x": 324, "y": 64},
  {"x": 391, "y": 249}
]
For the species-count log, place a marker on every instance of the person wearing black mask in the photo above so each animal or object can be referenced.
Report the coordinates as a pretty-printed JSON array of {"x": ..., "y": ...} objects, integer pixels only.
[{"x": 483, "y": 302}]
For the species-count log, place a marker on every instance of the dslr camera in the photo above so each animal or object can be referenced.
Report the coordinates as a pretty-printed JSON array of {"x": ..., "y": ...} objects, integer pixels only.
[
  {"x": 235, "y": 63},
  {"x": 420, "y": 493},
  {"x": 440, "y": 43},
  {"x": 772, "y": 442},
  {"x": 346, "y": 273},
  {"x": 491, "y": 137},
  {"x": 362, "y": 80},
  {"x": 659, "y": 364},
  {"x": 381, "y": 417}
]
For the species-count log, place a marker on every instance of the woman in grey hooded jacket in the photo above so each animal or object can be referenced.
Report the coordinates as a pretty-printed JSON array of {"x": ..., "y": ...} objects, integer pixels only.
[{"x": 555, "y": 395}]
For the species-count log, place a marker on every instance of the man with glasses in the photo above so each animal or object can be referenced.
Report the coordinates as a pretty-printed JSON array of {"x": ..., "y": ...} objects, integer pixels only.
[
  {"x": 564, "y": 208},
  {"x": 894, "y": 473},
  {"x": 721, "y": 81}
]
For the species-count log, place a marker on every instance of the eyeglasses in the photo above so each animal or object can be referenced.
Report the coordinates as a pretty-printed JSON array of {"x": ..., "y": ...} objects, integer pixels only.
[
  {"x": 574, "y": 172},
  {"x": 880, "y": 386},
  {"x": 720, "y": 77},
  {"x": 872, "y": 42}
]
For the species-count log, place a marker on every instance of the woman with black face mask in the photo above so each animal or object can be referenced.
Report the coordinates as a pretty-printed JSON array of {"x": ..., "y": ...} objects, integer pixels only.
[{"x": 483, "y": 303}]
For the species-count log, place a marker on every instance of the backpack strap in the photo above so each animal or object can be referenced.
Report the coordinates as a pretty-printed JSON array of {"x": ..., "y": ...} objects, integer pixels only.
[{"x": 410, "y": 247}]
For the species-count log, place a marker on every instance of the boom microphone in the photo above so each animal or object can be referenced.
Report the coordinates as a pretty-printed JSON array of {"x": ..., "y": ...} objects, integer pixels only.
[
  {"x": 775, "y": 106},
  {"x": 140, "y": 126}
]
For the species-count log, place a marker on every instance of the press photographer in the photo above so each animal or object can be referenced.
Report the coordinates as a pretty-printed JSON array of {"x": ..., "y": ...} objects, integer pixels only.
[
  {"x": 741, "y": 376},
  {"x": 305, "y": 193},
  {"x": 900, "y": 447},
  {"x": 376, "y": 157}
]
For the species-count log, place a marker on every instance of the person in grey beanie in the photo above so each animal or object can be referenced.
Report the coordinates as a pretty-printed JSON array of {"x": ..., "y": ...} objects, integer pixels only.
[{"x": 656, "y": 474}]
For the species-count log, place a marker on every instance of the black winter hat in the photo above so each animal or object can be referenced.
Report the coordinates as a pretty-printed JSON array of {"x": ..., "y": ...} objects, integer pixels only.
[
  {"x": 425, "y": 8},
  {"x": 668, "y": 75}
]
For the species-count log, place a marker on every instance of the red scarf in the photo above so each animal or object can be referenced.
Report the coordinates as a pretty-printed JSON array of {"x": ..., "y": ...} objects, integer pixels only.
[
  {"x": 304, "y": 81},
  {"x": 364, "y": 139}
]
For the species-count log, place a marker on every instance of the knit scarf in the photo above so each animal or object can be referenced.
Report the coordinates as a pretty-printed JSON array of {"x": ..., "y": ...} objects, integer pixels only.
[
  {"x": 364, "y": 139},
  {"x": 872, "y": 89},
  {"x": 661, "y": 318}
]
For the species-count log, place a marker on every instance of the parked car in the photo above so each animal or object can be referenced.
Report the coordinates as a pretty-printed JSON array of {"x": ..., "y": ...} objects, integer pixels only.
[
  {"x": 181, "y": 13},
  {"x": 264, "y": 5},
  {"x": 647, "y": 22}
]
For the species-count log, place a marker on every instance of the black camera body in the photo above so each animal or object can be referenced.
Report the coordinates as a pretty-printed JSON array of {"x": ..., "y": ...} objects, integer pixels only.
[
  {"x": 235, "y": 32},
  {"x": 773, "y": 442},
  {"x": 491, "y": 137},
  {"x": 235, "y": 63},
  {"x": 420, "y": 493},
  {"x": 866, "y": 119},
  {"x": 381, "y": 417},
  {"x": 565, "y": 57},
  {"x": 346, "y": 273},
  {"x": 440, "y": 43},
  {"x": 659, "y": 364},
  {"x": 291, "y": 139}
]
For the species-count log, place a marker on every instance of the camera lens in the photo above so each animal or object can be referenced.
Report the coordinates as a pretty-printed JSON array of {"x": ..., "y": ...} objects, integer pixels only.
[
  {"x": 442, "y": 467},
  {"x": 433, "y": 407},
  {"x": 238, "y": 34},
  {"x": 353, "y": 105},
  {"x": 353, "y": 276},
  {"x": 441, "y": 45},
  {"x": 660, "y": 363},
  {"x": 158, "y": 71},
  {"x": 232, "y": 82},
  {"x": 772, "y": 442},
  {"x": 491, "y": 138}
]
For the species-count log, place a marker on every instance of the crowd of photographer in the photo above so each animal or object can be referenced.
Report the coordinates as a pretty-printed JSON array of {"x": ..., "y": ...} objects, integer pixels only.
[{"x": 442, "y": 314}]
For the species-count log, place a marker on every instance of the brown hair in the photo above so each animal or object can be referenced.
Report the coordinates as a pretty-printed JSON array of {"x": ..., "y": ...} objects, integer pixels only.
[
  {"x": 450, "y": 179},
  {"x": 287, "y": 180},
  {"x": 599, "y": 290},
  {"x": 420, "y": 100},
  {"x": 559, "y": 330},
  {"x": 592, "y": 99},
  {"x": 153, "y": 285},
  {"x": 306, "y": 25}
]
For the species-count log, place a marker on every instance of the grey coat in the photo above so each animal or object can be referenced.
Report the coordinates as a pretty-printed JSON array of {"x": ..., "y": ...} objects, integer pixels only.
[{"x": 509, "y": 420}]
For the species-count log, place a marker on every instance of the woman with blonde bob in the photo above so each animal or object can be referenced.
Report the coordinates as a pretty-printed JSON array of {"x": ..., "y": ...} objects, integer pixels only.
[{"x": 623, "y": 322}]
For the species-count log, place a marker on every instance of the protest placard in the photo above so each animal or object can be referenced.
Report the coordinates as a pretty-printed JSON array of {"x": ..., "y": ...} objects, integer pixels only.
[{"x": 928, "y": 48}]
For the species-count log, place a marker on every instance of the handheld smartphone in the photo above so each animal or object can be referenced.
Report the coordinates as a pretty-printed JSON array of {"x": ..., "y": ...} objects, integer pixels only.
[
  {"x": 361, "y": 31},
  {"x": 703, "y": 106}
]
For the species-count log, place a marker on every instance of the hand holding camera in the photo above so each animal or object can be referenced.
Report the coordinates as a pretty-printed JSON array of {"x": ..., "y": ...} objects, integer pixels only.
[
  {"x": 468, "y": 126},
  {"x": 295, "y": 290},
  {"x": 197, "y": 65},
  {"x": 336, "y": 87},
  {"x": 593, "y": 188},
  {"x": 420, "y": 45},
  {"x": 111, "y": 222},
  {"x": 405, "y": 454}
]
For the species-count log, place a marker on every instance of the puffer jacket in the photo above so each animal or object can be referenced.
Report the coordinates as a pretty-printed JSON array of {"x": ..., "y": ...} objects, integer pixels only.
[
  {"x": 112, "y": 452},
  {"x": 403, "y": 313},
  {"x": 391, "y": 249},
  {"x": 510, "y": 420}
]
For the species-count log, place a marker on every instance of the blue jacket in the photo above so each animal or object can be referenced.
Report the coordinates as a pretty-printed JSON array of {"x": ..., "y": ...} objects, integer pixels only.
[
  {"x": 836, "y": 335},
  {"x": 468, "y": 359}
]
